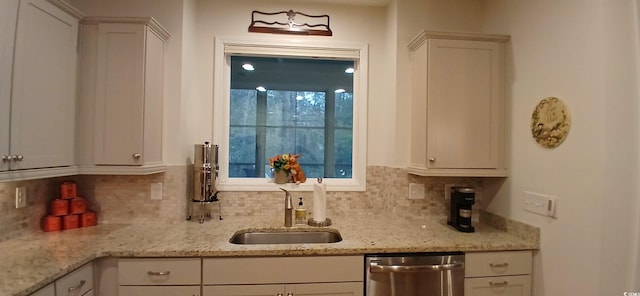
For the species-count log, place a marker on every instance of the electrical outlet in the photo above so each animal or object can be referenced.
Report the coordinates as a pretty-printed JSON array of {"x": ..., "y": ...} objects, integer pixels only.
[
  {"x": 416, "y": 191},
  {"x": 155, "y": 190},
  {"x": 541, "y": 204},
  {"x": 447, "y": 191},
  {"x": 21, "y": 197}
]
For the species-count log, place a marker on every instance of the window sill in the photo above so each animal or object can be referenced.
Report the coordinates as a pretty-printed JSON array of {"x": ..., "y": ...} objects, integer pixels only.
[{"x": 262, "y": 184}]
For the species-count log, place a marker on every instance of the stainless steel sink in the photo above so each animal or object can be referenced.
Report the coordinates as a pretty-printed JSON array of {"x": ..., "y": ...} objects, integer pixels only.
[{"x": 252, "y": 237}]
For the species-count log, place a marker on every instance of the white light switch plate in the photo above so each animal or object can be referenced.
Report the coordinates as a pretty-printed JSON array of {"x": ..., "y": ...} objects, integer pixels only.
[
  {"x": 542, "y": 204},
  {"x": 416, "y": 191},
  {"x": 156, "y": 191},
  {"x": 447, "y": 192}
]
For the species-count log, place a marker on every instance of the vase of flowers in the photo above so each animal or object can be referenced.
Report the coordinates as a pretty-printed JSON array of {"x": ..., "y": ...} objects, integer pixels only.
[{"x": 281, "y": 168}]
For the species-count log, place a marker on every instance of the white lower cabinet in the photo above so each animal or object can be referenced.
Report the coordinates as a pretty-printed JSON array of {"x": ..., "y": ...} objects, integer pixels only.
[
  {"x": 159, "y": 290},
  {"x": 498, "y": 273},
  {"x": 159, "y": 276},
  {"x": 285, "y": 276},
  {"x": 317, "y": 289},
  {"x": 76, "y": 283}
]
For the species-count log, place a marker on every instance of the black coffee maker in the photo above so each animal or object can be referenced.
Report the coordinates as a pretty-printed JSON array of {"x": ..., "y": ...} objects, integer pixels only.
[{"x": 462, "y": 198}]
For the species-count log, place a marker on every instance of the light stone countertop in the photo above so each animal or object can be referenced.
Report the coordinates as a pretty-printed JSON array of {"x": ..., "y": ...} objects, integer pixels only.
[{"x": 33, "y": 260}]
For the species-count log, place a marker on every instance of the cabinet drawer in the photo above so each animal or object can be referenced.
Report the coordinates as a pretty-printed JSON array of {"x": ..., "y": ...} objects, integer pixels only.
[
  {"x": 235, "y": 271},
  {"x": 77, "y": 282},
  {"x": 497, "y": 263},
  {"x": 46, "y": 291},
  {"x": 159, "y": 290},
  {"x": 159, "y": 271},
  {"x": 517, "y": 285}
]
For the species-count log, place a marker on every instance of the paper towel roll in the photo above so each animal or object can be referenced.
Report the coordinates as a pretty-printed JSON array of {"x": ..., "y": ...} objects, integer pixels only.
[{"x": 319, "y": 202}]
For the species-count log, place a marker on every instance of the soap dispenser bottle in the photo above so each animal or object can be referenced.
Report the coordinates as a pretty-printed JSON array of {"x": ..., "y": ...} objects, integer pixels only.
[{"x": 301, "y": 214}]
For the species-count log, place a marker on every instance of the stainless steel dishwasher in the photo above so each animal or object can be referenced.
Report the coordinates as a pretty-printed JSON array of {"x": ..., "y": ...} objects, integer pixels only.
[{"x": 423, "y": 274}]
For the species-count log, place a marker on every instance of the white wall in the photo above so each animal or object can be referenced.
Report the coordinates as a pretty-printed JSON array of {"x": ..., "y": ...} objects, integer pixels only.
[{"x": 584, "y": 53}]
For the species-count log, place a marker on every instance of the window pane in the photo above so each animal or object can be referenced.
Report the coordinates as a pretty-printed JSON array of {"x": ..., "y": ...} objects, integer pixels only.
[
  {"x": 344, "y": 110},
  {"x": 242, "y": 147},
  {"x": 284, "y": 103},
  {"x": 280, "y": 140},
  {"x": 342, "y": 150},
  {"x": 243, "y": 107}
]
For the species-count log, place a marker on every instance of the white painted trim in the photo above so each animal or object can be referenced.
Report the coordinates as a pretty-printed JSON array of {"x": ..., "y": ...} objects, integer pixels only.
[
  {"x": 635, "y": 240},
  {"x": 221, "y": 90}
]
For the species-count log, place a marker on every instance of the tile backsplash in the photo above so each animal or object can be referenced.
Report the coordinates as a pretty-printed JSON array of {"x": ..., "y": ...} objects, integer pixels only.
[{"x": 126, "y": 199}]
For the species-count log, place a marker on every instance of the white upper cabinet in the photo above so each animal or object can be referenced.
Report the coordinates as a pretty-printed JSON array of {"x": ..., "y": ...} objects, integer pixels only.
[
  {"x": 8, "y": 16},
  {"x": 457, "y": 110},
  {"x": 38, "y": 79},
  {"x": 121, "y": 96}
]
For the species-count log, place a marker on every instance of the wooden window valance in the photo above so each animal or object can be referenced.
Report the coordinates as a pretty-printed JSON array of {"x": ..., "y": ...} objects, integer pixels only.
[{"x": 273, "y": 22}]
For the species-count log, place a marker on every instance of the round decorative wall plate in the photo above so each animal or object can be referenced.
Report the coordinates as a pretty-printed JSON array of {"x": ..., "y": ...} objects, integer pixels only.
[{"x": 550, "y": 122}]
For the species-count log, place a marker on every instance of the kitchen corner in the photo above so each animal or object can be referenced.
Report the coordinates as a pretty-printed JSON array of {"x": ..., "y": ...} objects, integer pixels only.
[{"x": 33, "y": 260}]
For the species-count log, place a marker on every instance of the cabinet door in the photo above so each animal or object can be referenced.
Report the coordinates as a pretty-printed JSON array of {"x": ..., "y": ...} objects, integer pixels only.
[
  {"x": 463, "y": 82},
  {"x": 243, "y": 290},
  {"x": 8, "y": 15},
  {"x": 119, "y": 102},
  {"x": 325, "y": 289},
  {"x": 503, "y": 286},
  {"x": 43, "y": 93},
  {"x": 464, "y": 104},
  {"x": 159, "y": 290}
]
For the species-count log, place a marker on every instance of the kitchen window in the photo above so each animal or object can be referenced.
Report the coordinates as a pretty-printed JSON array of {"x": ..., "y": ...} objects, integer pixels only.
[{"x": 278, "y": 96}]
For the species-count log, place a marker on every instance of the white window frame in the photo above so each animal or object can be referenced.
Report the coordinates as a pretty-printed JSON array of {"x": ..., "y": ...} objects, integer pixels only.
[{"x": 273, "y": 46}]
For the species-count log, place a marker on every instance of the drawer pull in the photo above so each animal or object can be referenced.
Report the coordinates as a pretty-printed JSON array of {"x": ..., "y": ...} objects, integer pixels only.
[
  {"x": 158, "y": 272},
  {"x": 279, "y": 294},
  {"x": 498, "y": 284},
  {"x": 77, "y": 287},
  {"x": 499, "y": 265}
]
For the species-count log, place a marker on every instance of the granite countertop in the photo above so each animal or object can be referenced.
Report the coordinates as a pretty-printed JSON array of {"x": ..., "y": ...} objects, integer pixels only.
[{"x": 33, "y": 260}]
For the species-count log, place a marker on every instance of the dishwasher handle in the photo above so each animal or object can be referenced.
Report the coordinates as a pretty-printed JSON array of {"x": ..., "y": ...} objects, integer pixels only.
[{"x": 376, "y": 268}]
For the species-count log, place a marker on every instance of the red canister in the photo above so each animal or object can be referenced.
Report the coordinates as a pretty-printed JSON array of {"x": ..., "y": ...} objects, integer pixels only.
[
  {"x": 68, "y": 190},
  {"x": 51, "y": 223},
  {"x": 78, "y": 206},
  {"x": 59, "y": 207},
  {"x": 70, "y": 221},
  {"x": 88, "y": 219}
]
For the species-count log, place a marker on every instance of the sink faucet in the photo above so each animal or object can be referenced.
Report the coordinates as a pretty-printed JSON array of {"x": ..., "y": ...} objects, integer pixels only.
[{"x": 288, "y": 208}]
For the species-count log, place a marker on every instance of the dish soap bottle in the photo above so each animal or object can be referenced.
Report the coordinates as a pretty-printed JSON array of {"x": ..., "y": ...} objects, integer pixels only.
[{"x": 301, "y": 214}]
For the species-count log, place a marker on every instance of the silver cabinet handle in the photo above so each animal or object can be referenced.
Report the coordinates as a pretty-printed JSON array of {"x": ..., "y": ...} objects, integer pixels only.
[
  {"x": 498, "y": 284},
  {"x": 6, "y": 158},
  {"x": 499, "y": 264},
  {"x": 158, "y": 272},
  {"x": 136, "y": 155},
  {"x": 289, "y": 294},
  {"x": 414, "y": 268},
  {"x": 279, "y": 294},
  {"x": 432, "y": 159},
  {"x": 76, "y": 289},
  {"x": 18, "y": 157}
]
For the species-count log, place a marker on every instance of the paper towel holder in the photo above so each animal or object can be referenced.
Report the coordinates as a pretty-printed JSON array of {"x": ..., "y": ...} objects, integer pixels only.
[{"x": 326, "y": 222}]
